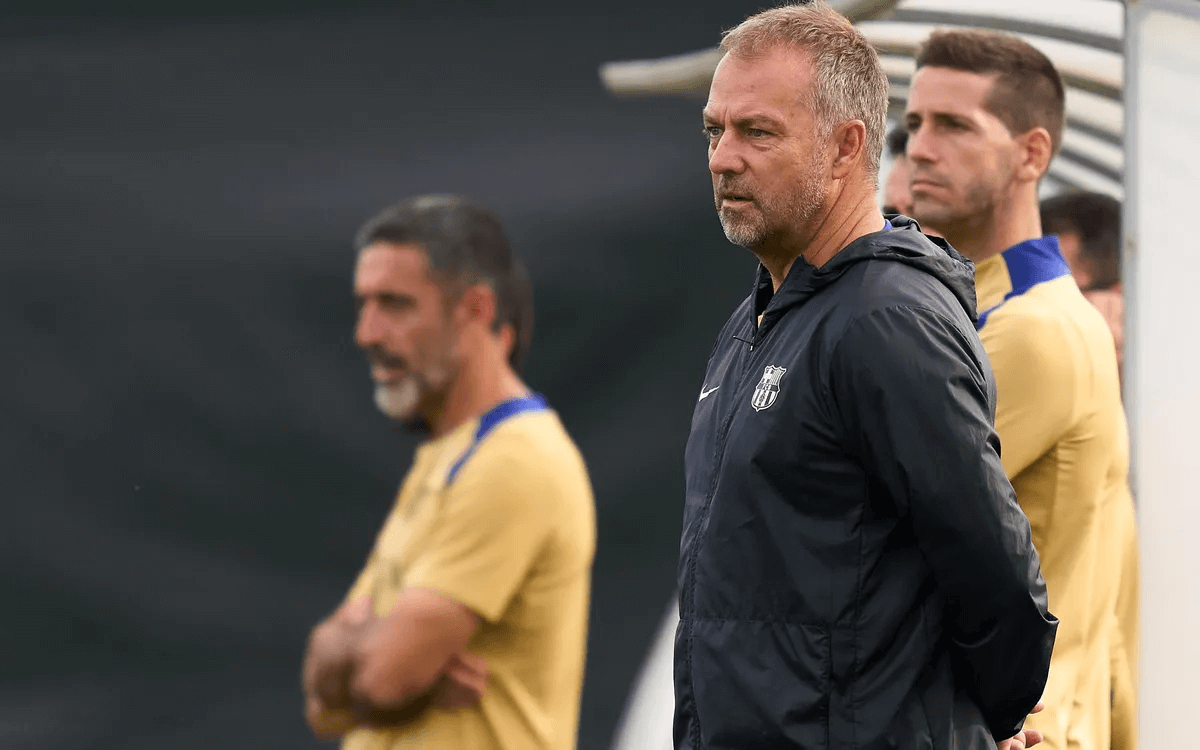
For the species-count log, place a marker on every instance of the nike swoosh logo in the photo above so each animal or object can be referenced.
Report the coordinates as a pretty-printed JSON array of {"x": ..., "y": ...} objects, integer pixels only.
[{"x": 705, "y": 394}]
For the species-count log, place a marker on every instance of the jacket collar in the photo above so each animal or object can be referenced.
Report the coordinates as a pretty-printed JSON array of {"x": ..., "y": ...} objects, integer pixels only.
[{"x": 904, "y": 243}]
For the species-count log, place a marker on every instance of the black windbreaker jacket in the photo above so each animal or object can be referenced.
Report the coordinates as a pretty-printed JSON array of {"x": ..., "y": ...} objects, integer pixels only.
[{"x": 855, "y": 571}]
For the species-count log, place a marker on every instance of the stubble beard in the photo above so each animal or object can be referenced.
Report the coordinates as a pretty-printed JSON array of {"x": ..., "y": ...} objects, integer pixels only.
[
  {"x": 753, "y": 226},
  {"x": 957, "y": 220}
]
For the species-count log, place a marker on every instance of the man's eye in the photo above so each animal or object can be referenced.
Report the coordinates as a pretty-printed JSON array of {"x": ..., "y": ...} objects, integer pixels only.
[
  {"x": 756, "y": 133},
  {"x": 712, "y": 131}
]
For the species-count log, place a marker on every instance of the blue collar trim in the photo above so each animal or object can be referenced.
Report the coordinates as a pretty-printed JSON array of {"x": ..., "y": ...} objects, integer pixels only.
[
  {"x": 1030, "y": 263},
  {"x": 492, "y": 419}
]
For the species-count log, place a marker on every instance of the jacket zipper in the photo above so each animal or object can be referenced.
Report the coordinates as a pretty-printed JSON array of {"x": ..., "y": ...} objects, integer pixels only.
[{"x": 722, "y": 439}]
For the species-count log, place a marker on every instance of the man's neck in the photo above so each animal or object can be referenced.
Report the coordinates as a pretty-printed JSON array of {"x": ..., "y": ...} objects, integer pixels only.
[
  {"x": 986, "y": 236},
  {"x": 850, "y": 215},
  {"x": 482, "y": 383}
]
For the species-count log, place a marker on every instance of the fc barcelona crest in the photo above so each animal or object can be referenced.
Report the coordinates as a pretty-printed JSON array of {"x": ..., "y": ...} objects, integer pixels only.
[{"x": 767, "y": 388}]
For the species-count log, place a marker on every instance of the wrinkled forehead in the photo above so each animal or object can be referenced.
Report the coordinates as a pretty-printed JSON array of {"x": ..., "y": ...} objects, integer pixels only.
[{"x": 779, "y": 81}]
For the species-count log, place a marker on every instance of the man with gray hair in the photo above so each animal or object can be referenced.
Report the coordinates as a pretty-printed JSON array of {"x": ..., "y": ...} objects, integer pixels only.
[{"x": 855, "y": 570}]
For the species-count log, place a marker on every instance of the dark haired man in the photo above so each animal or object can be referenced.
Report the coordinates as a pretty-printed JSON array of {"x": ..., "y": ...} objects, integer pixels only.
[
  {"x": 1088, "y": 227},
  {"x": 985, "y": 117},
  {"x": 466, "y": 627}
]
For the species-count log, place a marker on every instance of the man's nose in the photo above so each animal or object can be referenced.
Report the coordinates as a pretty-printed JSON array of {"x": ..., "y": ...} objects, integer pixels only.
[
  {"x": 367, "y": 328},
  {"x": 920, "y": 146},
  {"x": 724, "y": 156}
]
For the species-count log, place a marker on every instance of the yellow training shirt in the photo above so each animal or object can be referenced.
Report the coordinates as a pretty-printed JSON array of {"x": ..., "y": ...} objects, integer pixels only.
[
  {"x": 1122, "y": 541},
  {"x": 1064, "y": 447},
  {"x": 511, "y": 535}
]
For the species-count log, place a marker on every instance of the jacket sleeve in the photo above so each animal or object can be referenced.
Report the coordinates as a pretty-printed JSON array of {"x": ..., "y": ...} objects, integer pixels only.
[{"x": 915, "y": 395}]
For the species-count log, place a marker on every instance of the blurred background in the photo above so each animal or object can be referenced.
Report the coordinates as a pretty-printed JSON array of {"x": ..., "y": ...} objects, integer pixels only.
[{"x": 194, "y": 468}]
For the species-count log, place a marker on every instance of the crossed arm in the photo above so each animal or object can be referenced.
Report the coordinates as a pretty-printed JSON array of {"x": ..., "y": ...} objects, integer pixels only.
[{"x": 363, "y": 670}]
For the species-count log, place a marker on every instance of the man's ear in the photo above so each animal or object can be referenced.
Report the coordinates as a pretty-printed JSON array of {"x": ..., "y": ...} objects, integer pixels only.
[
  {"x": 508, "y": 341},
  {"x": 478, "y": 304},
  {"x": 850, "y": 138},
  {"x": 1036, "y": 151}
]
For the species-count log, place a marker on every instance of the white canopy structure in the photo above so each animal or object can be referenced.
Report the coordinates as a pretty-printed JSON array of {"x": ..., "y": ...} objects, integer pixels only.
[{"x": 1083, "y": 38}]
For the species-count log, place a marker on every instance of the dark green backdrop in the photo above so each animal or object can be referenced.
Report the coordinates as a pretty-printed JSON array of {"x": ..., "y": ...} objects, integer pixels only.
[{"x": 193, "y": 467}]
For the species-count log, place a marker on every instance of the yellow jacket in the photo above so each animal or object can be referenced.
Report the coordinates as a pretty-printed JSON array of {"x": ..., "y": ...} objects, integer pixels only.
[{"x": 1065, "y": 448}]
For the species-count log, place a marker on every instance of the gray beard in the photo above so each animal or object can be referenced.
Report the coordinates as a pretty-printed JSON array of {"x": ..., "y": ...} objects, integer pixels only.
[
  {"x": 402, "y": 401},
  {"x": 742, "y": 232},
  {"x": 398, "y": 401},
  {"x": 788, "y": 215},
  {"x": 797, "y": 213}
]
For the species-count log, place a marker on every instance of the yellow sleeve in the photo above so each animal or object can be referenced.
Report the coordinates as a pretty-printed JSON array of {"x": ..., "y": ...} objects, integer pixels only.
[
  {"x": 326, "y": 722},
  {"x": 495, "y": 520},
  {"x": 1125, "y": 629},
  {"x": 1035, "y": 386},
  {"x": 362, "y": 585},
  {"x": 1123, "y": 722}
]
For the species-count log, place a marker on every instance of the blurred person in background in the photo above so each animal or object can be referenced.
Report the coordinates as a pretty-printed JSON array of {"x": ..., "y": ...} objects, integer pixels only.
[
  {"x": 985, "y": 117},
  {"x": 897, "y": 198},
  {"x": 467, "y": 626},
  {"x": 855, "y": 569},
  {"x": 1088, "y": 227}
]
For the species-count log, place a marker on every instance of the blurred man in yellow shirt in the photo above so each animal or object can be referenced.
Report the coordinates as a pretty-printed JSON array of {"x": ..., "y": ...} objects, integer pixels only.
[
  {"x": 985, "y": 117},
  {"x": 897, "y": 197},
  {"x": 467, "y": 626},
  {"x": 1088, "y": 227}
]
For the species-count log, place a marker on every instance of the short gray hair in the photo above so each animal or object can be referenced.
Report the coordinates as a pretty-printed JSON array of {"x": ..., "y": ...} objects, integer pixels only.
[{"x": 850, "y": 81}]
